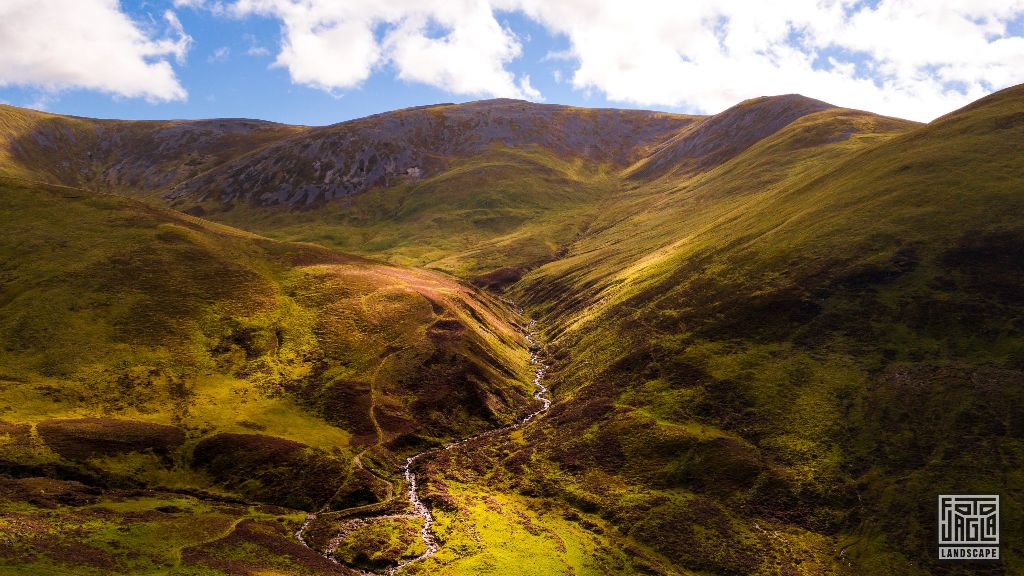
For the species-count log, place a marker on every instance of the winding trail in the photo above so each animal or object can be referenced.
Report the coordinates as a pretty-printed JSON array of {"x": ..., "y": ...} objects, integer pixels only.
[{"x": 419, "y": 509}]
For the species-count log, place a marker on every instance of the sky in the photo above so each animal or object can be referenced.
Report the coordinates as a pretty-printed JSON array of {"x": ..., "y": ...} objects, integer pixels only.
[{"x": 318, "y": 62}]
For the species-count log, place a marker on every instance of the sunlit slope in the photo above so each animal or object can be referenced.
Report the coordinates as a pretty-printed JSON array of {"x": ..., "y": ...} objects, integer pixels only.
[
  {"x": 484, "y": 189},
  {"x": 655, "y": 220},
  {"x": 799, "y": 350},
  {"x": 511, "y": 185},
  {"x": 715, "y": 139},
  {"x": 145, "y": 347}
]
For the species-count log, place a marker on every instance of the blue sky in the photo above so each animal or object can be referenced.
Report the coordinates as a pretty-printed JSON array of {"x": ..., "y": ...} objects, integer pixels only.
[
  {"x": 245, "y": 84},
  {"x": 324, "y": 61}
]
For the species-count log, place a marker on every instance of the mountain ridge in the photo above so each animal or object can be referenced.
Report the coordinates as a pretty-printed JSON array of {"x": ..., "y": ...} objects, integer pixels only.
[{"x": 389, "y": 149}]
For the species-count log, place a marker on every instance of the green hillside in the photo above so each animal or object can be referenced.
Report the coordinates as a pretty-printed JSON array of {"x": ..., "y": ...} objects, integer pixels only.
[
  {"x": 774, "y": 335},
  {"x": 137, "y": 158},
  {"x": 811, "y": 341},
  {"x": 150, "y": 358},
  {"x": 490, "y": 218}
]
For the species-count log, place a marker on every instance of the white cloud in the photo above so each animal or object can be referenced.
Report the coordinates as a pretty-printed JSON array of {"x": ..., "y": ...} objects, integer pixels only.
[
  {"x": 457, "y": 45},
  {"x": 91, "y": 44},
  {"x": 254, "y": 47},
  {"x": 468, "y": 57},
  {"x": 926, "y": 58},
  {"x": 528, "y": 90},
  {"x": 900, "y": 57},
  {"x": 219, "y": 55}
]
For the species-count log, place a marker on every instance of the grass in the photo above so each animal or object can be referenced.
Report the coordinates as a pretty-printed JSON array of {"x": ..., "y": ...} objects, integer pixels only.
[
  {"x": 500, "y": 533},
  {"x": 137, "y": 158},
  {"x": 378, "y": 543},
  {"x": 805, "y": 297},
  {"x": 506, "y": 208},
  {"x": 768, "y": 365},
  {"x": 65, "y": 528},
  {"x": 144, "y": 319}
]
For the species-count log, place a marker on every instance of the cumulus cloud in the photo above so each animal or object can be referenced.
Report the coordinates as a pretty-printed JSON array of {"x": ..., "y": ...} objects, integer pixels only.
[
  {"x": 899, "y": 57},
  {"x": 91, "y": 44},
  {"x": 456, "y": 45},
  {"x": 466, "y": 54},
  {"x": 915, "y": 60}
]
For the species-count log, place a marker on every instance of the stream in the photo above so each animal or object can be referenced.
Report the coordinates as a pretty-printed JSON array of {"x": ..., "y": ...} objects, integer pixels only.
[{"x": 412, "y": 495}]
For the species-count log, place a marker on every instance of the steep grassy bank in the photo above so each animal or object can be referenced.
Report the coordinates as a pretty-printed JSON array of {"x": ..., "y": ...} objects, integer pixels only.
[
  {"x": 810, "y": 347},
  {"x": 144, "y": 349}
]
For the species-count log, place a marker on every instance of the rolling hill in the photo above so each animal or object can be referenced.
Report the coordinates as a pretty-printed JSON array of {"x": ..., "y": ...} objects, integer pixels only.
[
  {"x": 458, "y": 187},
  {"x": 150, "y": 357},
  {"x": 130, "y": 157},
  {"x": 774, "y": 335}
]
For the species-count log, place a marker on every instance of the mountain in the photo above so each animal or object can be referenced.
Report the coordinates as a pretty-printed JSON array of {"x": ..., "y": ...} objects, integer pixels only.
[
  {"x": 460, "y": 186},
  {"x": 720, "y": 137},
  {"x": 352, "y": 157},
  {"x": 267, "y": 164},
  {"x": 772, "y": 335}
]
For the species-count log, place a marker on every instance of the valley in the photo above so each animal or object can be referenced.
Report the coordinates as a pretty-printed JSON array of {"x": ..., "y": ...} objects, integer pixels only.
[
  {"x": 419, "y": 509},
  {"x": 755, "y": 342}
]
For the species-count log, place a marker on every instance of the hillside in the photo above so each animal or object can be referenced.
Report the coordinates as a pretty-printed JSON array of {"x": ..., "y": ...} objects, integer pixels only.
[
  {"x": 150, "y": 358},
  {"x": 263, "y": 163},
  {"x": 126, "y": 156},
  {"x": 815, "y": 349},
  {"x": 352, "y": 157},
  {"x": 493, "y": 213},
  {"x": 460, "y": 188},
  {"x": 772, "y": 335},
  {"x": 714, "y": 140}
]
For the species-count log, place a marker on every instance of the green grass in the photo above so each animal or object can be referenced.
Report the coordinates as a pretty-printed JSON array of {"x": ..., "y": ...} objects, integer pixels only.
[
  {"x": 136, "y": 158},
  {"x": 95, "y": 534},
  {"x": 136, "y": 316},
  {"x": 848, "y": 308},
  {"x": 379, "y": 543},
  {"x": 500, "y": 533},
  {"x": 506, "y": 208},
  {"x": 771, "y": 366}
]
